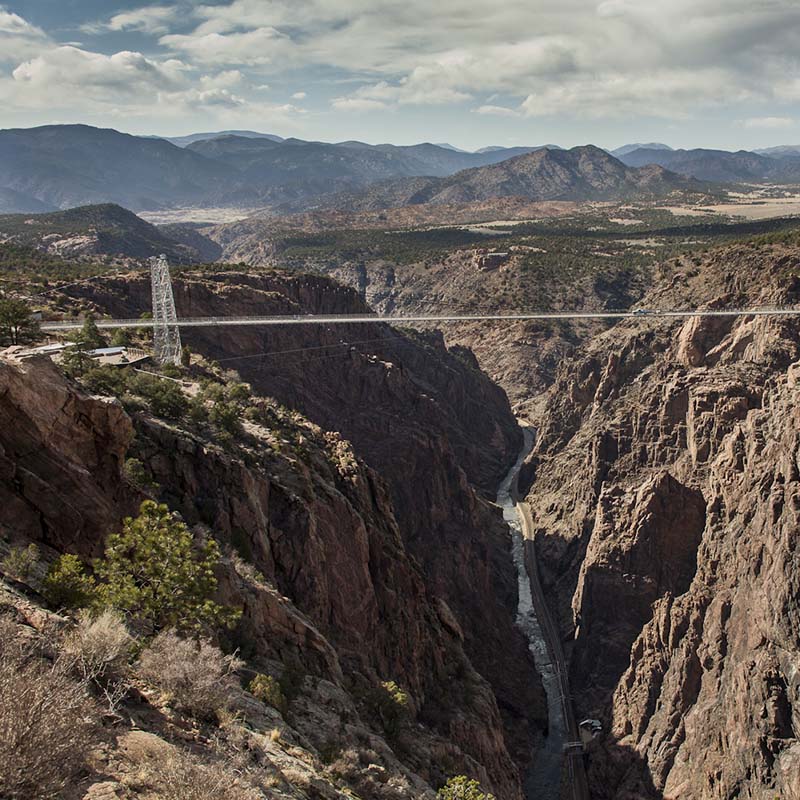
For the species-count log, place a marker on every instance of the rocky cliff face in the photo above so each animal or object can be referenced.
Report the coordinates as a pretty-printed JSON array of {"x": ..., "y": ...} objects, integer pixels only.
[
  {"x": 665, "y": 489},
  {"x": 340, "y": 596},
  {"x": 434, "y": 427}
]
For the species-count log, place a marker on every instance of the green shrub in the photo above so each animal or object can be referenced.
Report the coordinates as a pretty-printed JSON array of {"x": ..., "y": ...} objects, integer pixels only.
[
  {"x": 266, "y": 689},
  {"x": 212, "y": 392},
  {"x": 67, "y": 585},
  {"x": 136, "y": 473},
  {"x": 121, "y": 337},
  {"x": 462, "y": 788},
  {"x": 105, "y": 380},
  {"x": 226, "y": 416},
  {"x": 238, "y": 392},
  {"x": 197, "y": 411},
  {"x": 20, "y": 561},
  {"x": 392, "y": 705},
  {"x": 171, "y": 370},
  {"x": 165, "y": 397},
  {"x": 159, "y": 576}
]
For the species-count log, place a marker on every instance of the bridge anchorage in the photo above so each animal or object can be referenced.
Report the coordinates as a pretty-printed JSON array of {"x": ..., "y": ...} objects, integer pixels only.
[{"x": 166, "y": 333}]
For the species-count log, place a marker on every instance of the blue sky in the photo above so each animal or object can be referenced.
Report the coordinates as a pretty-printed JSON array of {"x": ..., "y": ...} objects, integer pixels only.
[{"x": 705, "y": 73}]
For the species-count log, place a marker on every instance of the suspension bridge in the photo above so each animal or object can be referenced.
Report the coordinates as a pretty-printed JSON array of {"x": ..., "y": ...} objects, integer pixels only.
[
  {"x": 166, "y": 323},
  {"x": 402, "y": 319}
]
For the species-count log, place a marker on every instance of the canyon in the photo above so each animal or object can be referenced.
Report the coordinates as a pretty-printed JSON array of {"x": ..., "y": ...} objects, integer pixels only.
[
  {"x": 396, "y": 567},
  {"x": 662, "y": 483},
  {"x": 356, "y": 443}
]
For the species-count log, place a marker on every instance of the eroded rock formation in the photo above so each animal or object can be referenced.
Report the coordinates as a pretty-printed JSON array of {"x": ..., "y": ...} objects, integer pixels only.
[{"x": 666, "y": 492}]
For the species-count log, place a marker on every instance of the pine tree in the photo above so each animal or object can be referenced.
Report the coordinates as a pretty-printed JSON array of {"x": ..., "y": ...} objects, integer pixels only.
[
  {"x": 159, "y": 576},
  {"x": 16, "y": 324},
  {"x": 89, "y": 336}
]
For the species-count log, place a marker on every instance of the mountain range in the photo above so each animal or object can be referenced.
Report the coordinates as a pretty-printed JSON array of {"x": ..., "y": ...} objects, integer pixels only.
[
  {"x": 629, "y": 148},
  {"x": 183, "y": 141},
  {"x": 61, "y": 166},
  {"x": 582, "y": 173},
  {"x": 721, "y": 166},
  {"x": 71, "y": 165},
  {"x": 107, "y": 230}
]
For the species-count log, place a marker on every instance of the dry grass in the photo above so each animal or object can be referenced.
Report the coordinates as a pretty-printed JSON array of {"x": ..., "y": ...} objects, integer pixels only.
[
  {"x": 46, "y": 728},
  {"x": 194, "y": 676},
  {"x": 178, "y": 776},
  {"x": 99, "y": 646}
]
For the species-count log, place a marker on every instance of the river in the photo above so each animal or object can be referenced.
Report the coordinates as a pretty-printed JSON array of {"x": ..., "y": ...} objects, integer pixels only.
[{"x": 543, "y": 781}]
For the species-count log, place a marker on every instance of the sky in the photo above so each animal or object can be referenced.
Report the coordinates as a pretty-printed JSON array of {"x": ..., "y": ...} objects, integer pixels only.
[{"x": 690, "y": 73}]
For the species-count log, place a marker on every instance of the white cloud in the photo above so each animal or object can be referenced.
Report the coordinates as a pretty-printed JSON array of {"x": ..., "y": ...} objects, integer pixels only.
[
  {"x": 251, "y": 48},
  {"x": 357, "y": 104},
  {"x": 670, "y": 58},
  {"x": 18, "y": 38},
  {"x": 201, "y": 98},
  {"x": 222, "y": 80},
  {"x": 541, "y": 58},
  {"x": 299, "y": 96},
  {"x": 150, "y": 19},
  {"x": 497, "y": 111},
  {"x": 48, "y": 79},
  {"x": 769, "y": 123},
  {"x": 15, "y": 25},
  {"x": 59, "y": 69}
]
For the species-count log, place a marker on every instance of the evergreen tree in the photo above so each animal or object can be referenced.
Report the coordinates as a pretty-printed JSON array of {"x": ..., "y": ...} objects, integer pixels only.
[
  {"x": 75, "y": 360},
  {"x": 159, "y": 576},
  {"x": 121, "y": 337},
  {"x": 16, "y": 324},
  {"x": 89, "y": 336}
]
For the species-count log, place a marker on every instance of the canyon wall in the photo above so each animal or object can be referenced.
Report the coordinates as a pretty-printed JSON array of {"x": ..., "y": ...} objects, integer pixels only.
[
  {"x": 339, "y": 597},
  {"x": 665, "y": 490}
]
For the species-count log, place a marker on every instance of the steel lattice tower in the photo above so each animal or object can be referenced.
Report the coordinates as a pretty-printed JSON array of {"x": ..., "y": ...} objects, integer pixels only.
[{"x": 166, "y": 334}]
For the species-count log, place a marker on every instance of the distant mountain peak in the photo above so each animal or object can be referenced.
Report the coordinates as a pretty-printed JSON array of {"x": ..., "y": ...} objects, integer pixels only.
[
  {"x": 452, "y": 147},
  {"x": 780, "y": 150},
  {"x": 583, "y": 173},
  {"x": 629, "y": 148},
  {"x": 497, "y": 148},
  {"x": 183, "y": 141}
]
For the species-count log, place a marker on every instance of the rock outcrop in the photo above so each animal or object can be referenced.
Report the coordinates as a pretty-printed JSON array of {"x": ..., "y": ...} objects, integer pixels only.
[
  {"x": 665, "y": 490},
  {"x": 338, "y": 594}
]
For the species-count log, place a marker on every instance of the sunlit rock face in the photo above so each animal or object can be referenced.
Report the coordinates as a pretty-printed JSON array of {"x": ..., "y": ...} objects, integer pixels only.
[{"x": 666, "y": 493}]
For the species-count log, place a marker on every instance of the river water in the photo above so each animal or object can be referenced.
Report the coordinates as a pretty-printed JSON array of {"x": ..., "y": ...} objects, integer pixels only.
[{"x": 543, "y": 780}]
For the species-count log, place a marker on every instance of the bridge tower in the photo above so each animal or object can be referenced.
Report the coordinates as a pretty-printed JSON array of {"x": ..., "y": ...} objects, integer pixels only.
[{"x": 166, "y": 334}]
